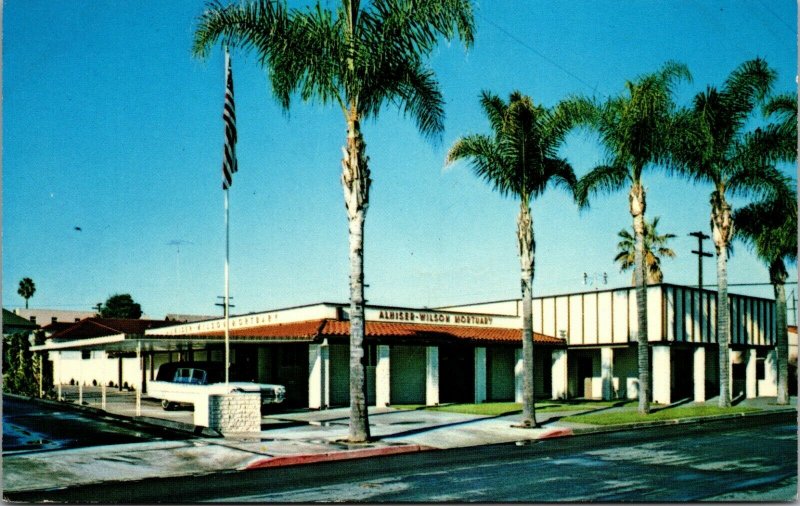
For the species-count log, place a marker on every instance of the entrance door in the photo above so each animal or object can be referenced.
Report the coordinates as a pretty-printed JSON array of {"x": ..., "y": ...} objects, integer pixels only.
[{"x": 456, "y": 374}]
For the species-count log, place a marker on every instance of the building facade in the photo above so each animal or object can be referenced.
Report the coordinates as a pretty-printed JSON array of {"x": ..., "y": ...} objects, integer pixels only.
[{"x": 585, "y": 346}]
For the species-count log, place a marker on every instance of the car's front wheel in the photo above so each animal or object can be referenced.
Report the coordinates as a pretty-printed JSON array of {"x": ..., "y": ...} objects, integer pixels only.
[{"x": 168, "y": 406}]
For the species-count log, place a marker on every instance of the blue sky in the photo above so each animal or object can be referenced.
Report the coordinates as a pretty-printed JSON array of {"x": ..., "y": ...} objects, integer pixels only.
[{"x": 110, "y": 125}]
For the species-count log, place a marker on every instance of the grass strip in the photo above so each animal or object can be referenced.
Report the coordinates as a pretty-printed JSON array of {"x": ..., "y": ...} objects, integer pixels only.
[
  {"x": 632, "y": 416},
  {"x": 503, "y": 408}
]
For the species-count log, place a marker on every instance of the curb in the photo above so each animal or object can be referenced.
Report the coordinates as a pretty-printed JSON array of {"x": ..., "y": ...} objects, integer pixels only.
[
  {"x": 582, "y": 431},
  {"x": 314, "y": 458}
]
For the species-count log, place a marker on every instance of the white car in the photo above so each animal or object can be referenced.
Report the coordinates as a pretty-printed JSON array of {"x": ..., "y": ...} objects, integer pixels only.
[{"x": 181, "y": 382}]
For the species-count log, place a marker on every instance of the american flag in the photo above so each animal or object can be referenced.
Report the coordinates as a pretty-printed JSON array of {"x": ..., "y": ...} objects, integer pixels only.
[{"x": 229, "y": 163}]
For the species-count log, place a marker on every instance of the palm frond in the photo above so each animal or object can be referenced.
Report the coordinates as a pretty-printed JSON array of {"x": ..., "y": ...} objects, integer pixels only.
[
  {"x": 601, "y": 179},
  {"x": 747, "y": 85},
  {"x": 495, "y": 109},
  {"x": 770, "y": 226}
]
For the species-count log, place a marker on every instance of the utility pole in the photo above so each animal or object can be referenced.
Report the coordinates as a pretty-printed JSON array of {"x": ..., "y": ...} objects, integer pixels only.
[
  {"x": 222, "y": 304},
  {"x": 700, "y": 254}
]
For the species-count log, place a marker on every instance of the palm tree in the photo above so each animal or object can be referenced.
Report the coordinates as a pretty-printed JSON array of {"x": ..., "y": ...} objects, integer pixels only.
[
  {"x": 26, "y": 289},
  {"x": 655, "y": 247},
  {"x": 715, "y": 148},
  {"x": 770, "y": 227},
  {"x": 359, "y": 58},
  {"x": 635, "y": 129},
  {"x": 521, "y": 159}
]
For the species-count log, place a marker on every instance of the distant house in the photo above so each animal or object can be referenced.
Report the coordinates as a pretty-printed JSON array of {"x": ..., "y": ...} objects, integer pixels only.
[
  {"x": 13, "y": 323},
  {"x": 44, "y": 317}
]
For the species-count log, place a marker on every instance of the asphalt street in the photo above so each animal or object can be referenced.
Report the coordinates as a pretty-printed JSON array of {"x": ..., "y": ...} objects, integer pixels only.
[
  {"x": 32, "y": 427},
  {"x": 746, "y": 459}
]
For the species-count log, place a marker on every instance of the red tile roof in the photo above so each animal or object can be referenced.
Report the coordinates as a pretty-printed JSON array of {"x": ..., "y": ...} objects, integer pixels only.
[
  {"x": 312, "y": 329},
  {"x": 423, "y": 331},
  {"x": 300, "y": 331},
  {"x": 98, "y": 327}
]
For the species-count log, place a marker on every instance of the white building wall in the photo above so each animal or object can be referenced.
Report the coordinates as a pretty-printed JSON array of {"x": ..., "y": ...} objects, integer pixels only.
[
  {"x": 605, "y": 316},
  {"x": 590, "y": 319},
  {"x": 562, "y": 316},
  {"x": 620, "y": 316},
  {"x": 575, "y": 321}
]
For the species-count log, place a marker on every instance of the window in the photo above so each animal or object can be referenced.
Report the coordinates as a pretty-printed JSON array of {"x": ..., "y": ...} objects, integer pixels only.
[
  {"x": 32, "y": 319},
  {"x": 53, "y": 319},
  {"x": 86, "y": 354},
  {"x": 760, "y": 369}
]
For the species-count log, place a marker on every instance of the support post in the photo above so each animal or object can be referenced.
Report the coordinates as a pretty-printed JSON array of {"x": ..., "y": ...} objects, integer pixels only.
[
  {"x": 607, "y": 372},
  {"x": 768, "y": 387},
  {"x": 103, "y": 396},
  {"x": 661, "y": 375},
  {"x": 383, "y": 380},
  {"x": 319, "y": 376},
  {"x": 558, "y": 360},
  {"x": 432, "y": 375},
  {"x": 139, "y": 389},
  {"x": 480, "y": 375},
  {"x": 519, "y": 375},
  {"x": 751, "y": 381},
  {"x": 699, "y": 374}
]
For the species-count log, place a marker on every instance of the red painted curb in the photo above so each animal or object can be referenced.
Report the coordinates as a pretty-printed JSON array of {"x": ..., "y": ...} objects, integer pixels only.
[
  {"x": 313, "y": 458},
  {"x": 557, "y": 433}
]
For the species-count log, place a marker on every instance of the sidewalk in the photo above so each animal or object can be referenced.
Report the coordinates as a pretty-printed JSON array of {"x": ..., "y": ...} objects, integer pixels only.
[{"x": 299, "y": 438}]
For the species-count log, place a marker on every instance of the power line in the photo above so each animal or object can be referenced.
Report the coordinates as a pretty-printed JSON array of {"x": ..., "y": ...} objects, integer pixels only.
[
  {"x": 539, "y": 54},
  {"x": 784, "y": 23}
]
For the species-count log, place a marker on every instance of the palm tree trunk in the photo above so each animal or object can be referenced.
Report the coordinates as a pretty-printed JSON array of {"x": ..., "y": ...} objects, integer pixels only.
[
  {"x": 637, "y": 203},
  {"x": 355, "y": 183},
  {"x": 721, "y": 232},
  {"x": 526, "y": 254},
  {"x": 778, "y": 277}
]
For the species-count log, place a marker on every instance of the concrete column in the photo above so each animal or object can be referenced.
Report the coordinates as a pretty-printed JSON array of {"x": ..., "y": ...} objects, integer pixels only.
[
  {"x": 383, "y": 380},
  {"x": 432, "y": 375},
  {"x": 751, "y": 383},
  {"x": 480, "y": 375},
  {"x": 318, "y": 376},
  {"x": 558, "y": 359},
  {"x": 661, "y": 377},
  {"x": 519, "y": 369},
  {"x": 699, "y": 374},
  {"x": 768, "y": 387},
  {"x": 607, "y": 372},
  {"x": 734, "y": 356}
]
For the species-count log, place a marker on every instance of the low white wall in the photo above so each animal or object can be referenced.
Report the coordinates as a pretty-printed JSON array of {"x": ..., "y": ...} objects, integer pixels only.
[{"x": 229, "y": 413}]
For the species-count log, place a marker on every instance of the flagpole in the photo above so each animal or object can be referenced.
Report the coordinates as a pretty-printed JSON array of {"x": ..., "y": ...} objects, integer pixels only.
[
  {"x": 229, "y": 166},
  {"x": 227, "y": 288},
  {"x": 227, "y": 261}
]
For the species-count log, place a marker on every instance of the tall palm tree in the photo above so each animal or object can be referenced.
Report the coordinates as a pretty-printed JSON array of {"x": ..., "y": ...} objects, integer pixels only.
[
  {"x": 26, "y": 289},
  {"x": 359, "y": 58},
  {"x": 715, "y": 148},
  {"x": 770, "y": 227},
  {"x": 521, "y": 159},
  {"x": 655, "y": 247},
  {"x": 635, "y": 129}
]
